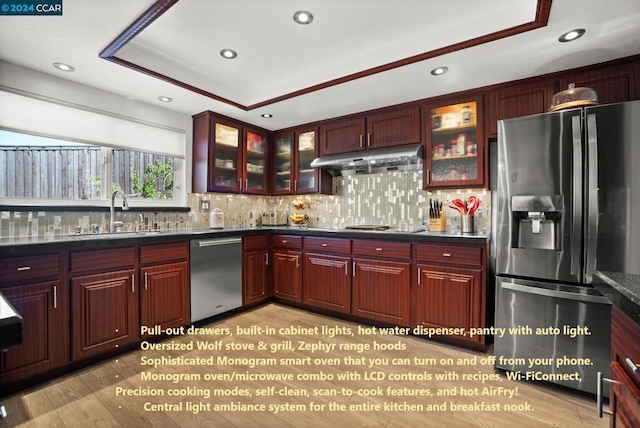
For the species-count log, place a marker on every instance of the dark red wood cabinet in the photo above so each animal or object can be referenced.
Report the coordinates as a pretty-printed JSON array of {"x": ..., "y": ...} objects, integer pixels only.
[
  {"x": 287, "y": 267},
  {"x": 382, "y": 281},
  {"x": 104, "y": 300},
  {"x": 383, "y": 129},
  {"x": 164, "y": 289},
  {"x": 255, "y": 269},
  {"x": 450, "y": 290},
  {"x": 327, "y": 273},
  {"x": 229, "y": 156},
  {"x": 625, "y": 371},
  {"x": 32, "y": 284}
]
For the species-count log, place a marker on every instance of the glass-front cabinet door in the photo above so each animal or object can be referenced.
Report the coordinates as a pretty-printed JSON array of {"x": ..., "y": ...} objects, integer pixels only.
[
  {"x": 307, "y": 177},
  {"x": 283, "y": 172},
  {"x": 454, "y": 151},
  {"x": 255, "y": 160},
  {"x": 227, "y": 168}
]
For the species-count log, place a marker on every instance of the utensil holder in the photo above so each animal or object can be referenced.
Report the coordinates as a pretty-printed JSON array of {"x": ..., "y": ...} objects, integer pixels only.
[
  {"x": 437, "y": 224},
  {"x": 468, "y": 224}
]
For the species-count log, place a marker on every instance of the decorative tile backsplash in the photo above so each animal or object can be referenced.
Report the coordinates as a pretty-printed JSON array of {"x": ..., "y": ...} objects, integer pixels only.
[{"x": 394, "y": 199}]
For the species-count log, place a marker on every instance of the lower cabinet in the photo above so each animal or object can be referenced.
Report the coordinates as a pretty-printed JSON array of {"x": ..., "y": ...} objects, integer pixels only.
[
  {"x": 287, "y": 267},
  {"x": 381, "y": 291},
  {"x": 32, "y": 285},
  {"x": 287, "y": 275},
  {"x": 164, "y": 289},
  {"x": 255, "y": 269},
  {"x": 625, "y": 369},
  {"x": 446, "y": 296},
  {"x": 450, "y": 290},
  {"x": 45, "y": 311},
  {"x": 382, "y": 281},
  {"x": 327, "y": 282},
  {"x": 105, "y": 312}
]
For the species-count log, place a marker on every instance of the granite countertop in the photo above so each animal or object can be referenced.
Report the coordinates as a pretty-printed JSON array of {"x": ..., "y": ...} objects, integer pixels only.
[
  {"x": 622, "y": 289},
  {"x": 12, "y": 246}
]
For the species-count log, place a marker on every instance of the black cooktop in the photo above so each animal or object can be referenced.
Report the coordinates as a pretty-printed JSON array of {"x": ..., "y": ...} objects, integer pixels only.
[{"x": 368, "y": 227}]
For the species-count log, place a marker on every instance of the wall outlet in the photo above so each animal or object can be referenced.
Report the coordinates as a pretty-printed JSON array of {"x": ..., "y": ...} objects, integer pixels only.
[{"x": 204, "y": 206}]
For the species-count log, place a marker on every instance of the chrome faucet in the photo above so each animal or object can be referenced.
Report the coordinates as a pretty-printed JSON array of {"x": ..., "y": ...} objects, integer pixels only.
[{"x": 125, "y": 206}]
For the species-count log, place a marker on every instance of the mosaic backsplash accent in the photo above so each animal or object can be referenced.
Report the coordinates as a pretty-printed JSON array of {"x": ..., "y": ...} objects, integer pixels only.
[{"x": 395, "y": 199}]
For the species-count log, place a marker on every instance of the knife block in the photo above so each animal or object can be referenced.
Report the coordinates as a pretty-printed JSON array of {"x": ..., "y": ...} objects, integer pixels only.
[{"x": 437, "y": 224}]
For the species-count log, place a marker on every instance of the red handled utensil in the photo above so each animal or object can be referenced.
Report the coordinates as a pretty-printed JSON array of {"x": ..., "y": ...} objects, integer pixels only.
[
  {"x": 458, "y": 205},
  {"x": 473, "y": 204}
]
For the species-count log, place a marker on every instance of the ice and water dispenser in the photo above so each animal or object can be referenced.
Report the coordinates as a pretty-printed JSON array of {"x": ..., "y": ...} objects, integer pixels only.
[{"x": 537, "y": 222}]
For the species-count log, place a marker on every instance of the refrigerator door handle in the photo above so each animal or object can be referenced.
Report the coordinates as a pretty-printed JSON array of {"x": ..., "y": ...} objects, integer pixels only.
[
  {"x": 576, "y": 181},
  {"x": 555, "y": 293},
  {"x": 592, "y": 198}
]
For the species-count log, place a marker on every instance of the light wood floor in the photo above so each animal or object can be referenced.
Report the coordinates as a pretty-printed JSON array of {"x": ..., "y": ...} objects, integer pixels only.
[{"x": 88, "y": 398}]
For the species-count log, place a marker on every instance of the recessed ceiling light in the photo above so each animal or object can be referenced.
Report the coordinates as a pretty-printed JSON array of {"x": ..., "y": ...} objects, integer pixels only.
[
  {"x": 440, "y": 70},
  {"x": 267, "y": 115},
  {"x": 63, "y": 67},
  {"x": 303, "y": 17},
  {"x": 572, "y": 35},
  {"x": 228, "y": 53},
  {"x": 165, "y": 99}
]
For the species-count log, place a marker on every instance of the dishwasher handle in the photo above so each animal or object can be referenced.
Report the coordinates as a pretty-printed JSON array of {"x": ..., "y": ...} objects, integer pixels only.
[{"x": 214, "y": 242}]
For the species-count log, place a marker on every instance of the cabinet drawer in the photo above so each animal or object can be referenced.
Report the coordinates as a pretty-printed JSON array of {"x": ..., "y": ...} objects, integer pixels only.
[
  {"x": 331, "y": 245},
  {"x": 394, "y": 250},
  {"x": 250, "y": 243},
  {"x": 18, "y": 268},
  {"x": 287, "y": 241},
  {"x": 164, "y": 252},
  {"x": 460, "y": 255},
  {"x": 100, "y": 260}
]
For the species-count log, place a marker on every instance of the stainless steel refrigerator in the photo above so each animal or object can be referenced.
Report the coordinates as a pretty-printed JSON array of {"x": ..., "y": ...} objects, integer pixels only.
[{"x": 568, "y": 205}]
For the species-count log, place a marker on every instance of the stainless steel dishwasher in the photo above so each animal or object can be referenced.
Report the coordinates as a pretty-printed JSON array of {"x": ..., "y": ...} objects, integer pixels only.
[{"x": 216, "y": 276}]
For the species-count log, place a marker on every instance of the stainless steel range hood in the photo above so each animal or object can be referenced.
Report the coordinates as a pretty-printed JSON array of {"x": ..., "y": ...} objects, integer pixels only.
[{"x": 403, "y": 158}]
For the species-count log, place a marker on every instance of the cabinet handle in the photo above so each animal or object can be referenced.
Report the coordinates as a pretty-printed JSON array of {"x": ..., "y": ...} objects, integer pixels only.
[
  {"x": 324, "y": 244},
  {"x": 55, "y": 297},
  {"x": 428, "y": 176},
  {"x": 353, "y": 271},
  {"x": 446, "y": 254},
  {"x": 295, "y": 185},
  {"x": 297, "y": 262},
  {"x": 419, "y": 275},
  {"x": 360, "y": 140},
  {"x": 145, "y": 280},
  {"x": 240, "y": 183},
  {"x": 633, "y": 366},
  {"x": 378, "y": 249},
  {"x": 22, "y": 268},
  {"x": 133, "y": 282},
  {"x": 266, "y": 259},
  {"x": 368, "y": 139},
  {"x": 601, "y": 380},
  {"x": 246, "y": 183}
]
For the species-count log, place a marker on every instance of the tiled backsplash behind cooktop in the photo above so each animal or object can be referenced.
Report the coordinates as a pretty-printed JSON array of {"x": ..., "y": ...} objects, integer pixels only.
[{"x": 392, "y": 199}]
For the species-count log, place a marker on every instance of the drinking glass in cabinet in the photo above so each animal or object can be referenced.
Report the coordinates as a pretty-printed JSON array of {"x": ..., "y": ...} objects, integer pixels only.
[{"x": 283, "y": 163}]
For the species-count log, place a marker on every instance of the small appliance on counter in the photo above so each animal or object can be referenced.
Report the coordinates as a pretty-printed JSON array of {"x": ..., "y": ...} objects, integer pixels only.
[
  {"x": 216, "y": 219},
  {"x": 274, "y": 218}
]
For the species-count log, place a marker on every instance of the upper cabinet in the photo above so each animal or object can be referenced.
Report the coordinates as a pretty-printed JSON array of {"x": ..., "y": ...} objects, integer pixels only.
[
  {"x": 393, "y": 128},
  {"x": 517, "y": 101},
  {"x": 454, "y": 145},
  {"x": 293, "y": 174},
  {"x": 612, "y": 84},
  {"x": 228, "y": 156}
]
